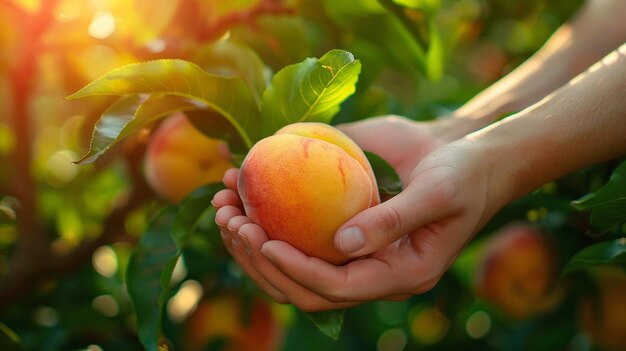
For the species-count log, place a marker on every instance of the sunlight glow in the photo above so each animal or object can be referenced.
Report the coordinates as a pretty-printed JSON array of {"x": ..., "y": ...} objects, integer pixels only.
[
  {"x": 104, "y": 261},
  {"x": 478, "y": 324},
  {"x": 392, "y": 340},
  {"x": 106, "y": 304},
  {"x": 102, "y": 25},
  {"x": 46, "y": 317},
  {"x": 185, "y": 300}
]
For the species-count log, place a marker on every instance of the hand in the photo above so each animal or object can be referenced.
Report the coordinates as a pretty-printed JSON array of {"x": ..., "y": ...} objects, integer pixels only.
[
  {"x": 398, "y": 140},
  {"x": 409, "y": 241}
]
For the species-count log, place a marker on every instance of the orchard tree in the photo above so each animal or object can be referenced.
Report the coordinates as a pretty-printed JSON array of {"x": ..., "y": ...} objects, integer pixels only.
[{"x": 119, "y": 118}]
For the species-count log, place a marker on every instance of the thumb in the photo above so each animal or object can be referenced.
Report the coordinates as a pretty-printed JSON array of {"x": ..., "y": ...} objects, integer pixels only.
[{"x": 381, "y": 225}]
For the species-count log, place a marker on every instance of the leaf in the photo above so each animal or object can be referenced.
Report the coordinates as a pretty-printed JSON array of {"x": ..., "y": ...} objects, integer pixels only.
[
  {"x": 606, "y": 252},
  {"x": 151, "y": 265},
  {"x": 9, "y": 340},
  {"x": 191, "y": 212},
  {"x": 435, "y": 54},
  {"x": 227, "y": 95},
  {"x": 328, "y": 322},
  {"x": 214, "y": 125},
  {"x": 230, "y": 59},
  {"x": 388, "y": 180},
  {"x": 428, "y": 6},
  {"x": 148, "y": 275},
  {"x": 608, "y": 204},
  {"x": 311, "y": 90},
  {"x": 128, "y": 115}
]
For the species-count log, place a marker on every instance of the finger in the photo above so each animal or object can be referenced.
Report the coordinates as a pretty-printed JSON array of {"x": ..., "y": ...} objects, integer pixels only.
[
  {"x": 226, "y": 197},
  {"x": 254, "y": 238},
  {"x": 239, "y": 252},
  {"x": 224, "y": 214},
  {"x": 420, "y": 203},
  {"x": 362, "y": 280},
  {"x": 397, "y": 298},
  {"x": 222, "y": 217},
  {"x": 230, "y": 178}
]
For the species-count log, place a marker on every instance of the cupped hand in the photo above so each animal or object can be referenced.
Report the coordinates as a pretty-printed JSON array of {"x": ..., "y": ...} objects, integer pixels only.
[{"x": 407, "y": 243}]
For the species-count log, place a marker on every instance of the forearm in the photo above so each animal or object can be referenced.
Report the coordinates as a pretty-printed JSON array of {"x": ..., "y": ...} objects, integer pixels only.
[
  {"x": 597, "y": 30},
  {"x": 582, "y": 123}
]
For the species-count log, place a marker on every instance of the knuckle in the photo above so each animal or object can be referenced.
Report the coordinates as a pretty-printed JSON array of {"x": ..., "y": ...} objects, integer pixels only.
[{"x": 389, "y": 219}]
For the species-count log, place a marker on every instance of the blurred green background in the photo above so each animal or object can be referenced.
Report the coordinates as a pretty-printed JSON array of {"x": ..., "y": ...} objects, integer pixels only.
[{"x": 67, "y": 231}]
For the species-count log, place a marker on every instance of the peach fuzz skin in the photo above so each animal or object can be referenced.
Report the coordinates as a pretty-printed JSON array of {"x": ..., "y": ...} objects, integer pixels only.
[
  {"x": 300, "y": 189},
  {"x": 179, "y": 158}
]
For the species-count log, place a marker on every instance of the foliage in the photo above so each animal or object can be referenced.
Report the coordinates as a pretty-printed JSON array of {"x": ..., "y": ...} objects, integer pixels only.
[{"x": 103, "y": 262}]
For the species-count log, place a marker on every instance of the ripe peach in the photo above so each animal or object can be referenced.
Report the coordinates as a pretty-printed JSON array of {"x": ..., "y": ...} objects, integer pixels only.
[
  {"x": 603, "y": 318},
  {"x": 179, "y": 158},
  {"x": 518, "y": 272},
  {"x": 224, "y": 319},
  {"x": 304, "y": 182}
]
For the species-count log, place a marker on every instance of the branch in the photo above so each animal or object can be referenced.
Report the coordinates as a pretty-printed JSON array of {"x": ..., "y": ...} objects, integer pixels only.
[{"x": 248, "y": 16}]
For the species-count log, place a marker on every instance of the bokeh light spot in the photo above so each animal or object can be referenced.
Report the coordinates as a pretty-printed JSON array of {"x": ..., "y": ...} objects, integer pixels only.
[
  {"x": 392, "y": 340},
  {"x": 106, "y": 304},
  {"x": 102, "y": 26},
  {"x": 185, "y": 300},
  {"x": 104, "y": 261},
  {"x": 46, "y": 317},
  {"x": 478, "y": 324}
]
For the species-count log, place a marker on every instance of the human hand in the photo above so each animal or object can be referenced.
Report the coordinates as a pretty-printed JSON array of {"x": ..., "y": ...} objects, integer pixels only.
[{"x": 407, "y": 242}]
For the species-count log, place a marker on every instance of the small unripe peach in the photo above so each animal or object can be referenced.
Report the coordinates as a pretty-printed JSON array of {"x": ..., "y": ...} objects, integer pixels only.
[
  {"x": 518, "y": 272},
  {"x": 301, "y": 184},
  {"x": 179, "y": 158}
]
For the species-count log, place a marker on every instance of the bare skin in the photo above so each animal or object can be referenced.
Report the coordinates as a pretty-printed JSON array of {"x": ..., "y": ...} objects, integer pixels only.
[{"x": 405, "y": 244}]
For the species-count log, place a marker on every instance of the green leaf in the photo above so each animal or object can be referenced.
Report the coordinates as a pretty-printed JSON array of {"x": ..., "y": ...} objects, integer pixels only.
[
  {"x": 328, "y": 322},
  {"x": 606, "y": 252},
  {"x": 230, "y": 59},
  {"x": 227, "y": 95},
  {"x": 148, "y": 276},
  {"x": 608, "y": 204},
  {"x": 311, "y": 90},
  {"x": 435, "y": 54},
  {"x": 428, "y": 6},
  {"x": 128, "y": 115},
  {"x": 151, "y": 265},
  {"x": 214, "y": 125},
  {"x": 388, "y": 180},
  {"x": 9, "y": 340},
  {"x": 191, "y": 212}
]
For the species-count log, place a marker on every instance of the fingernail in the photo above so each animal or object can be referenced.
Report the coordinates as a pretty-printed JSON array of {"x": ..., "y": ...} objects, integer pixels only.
[
  {"x": 244, "y": 240},
  {"x": 351, "y": 239}
]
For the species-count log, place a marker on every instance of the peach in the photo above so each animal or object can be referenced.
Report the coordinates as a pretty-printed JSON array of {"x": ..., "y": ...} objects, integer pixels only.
[
  {"x": 518, "y": 272},
  {"x": 301, "y": 184},
  {"x": 179, "y": 158},
  {"x": 224, "y": 319},
  {"x": 603, "y": 317}
]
